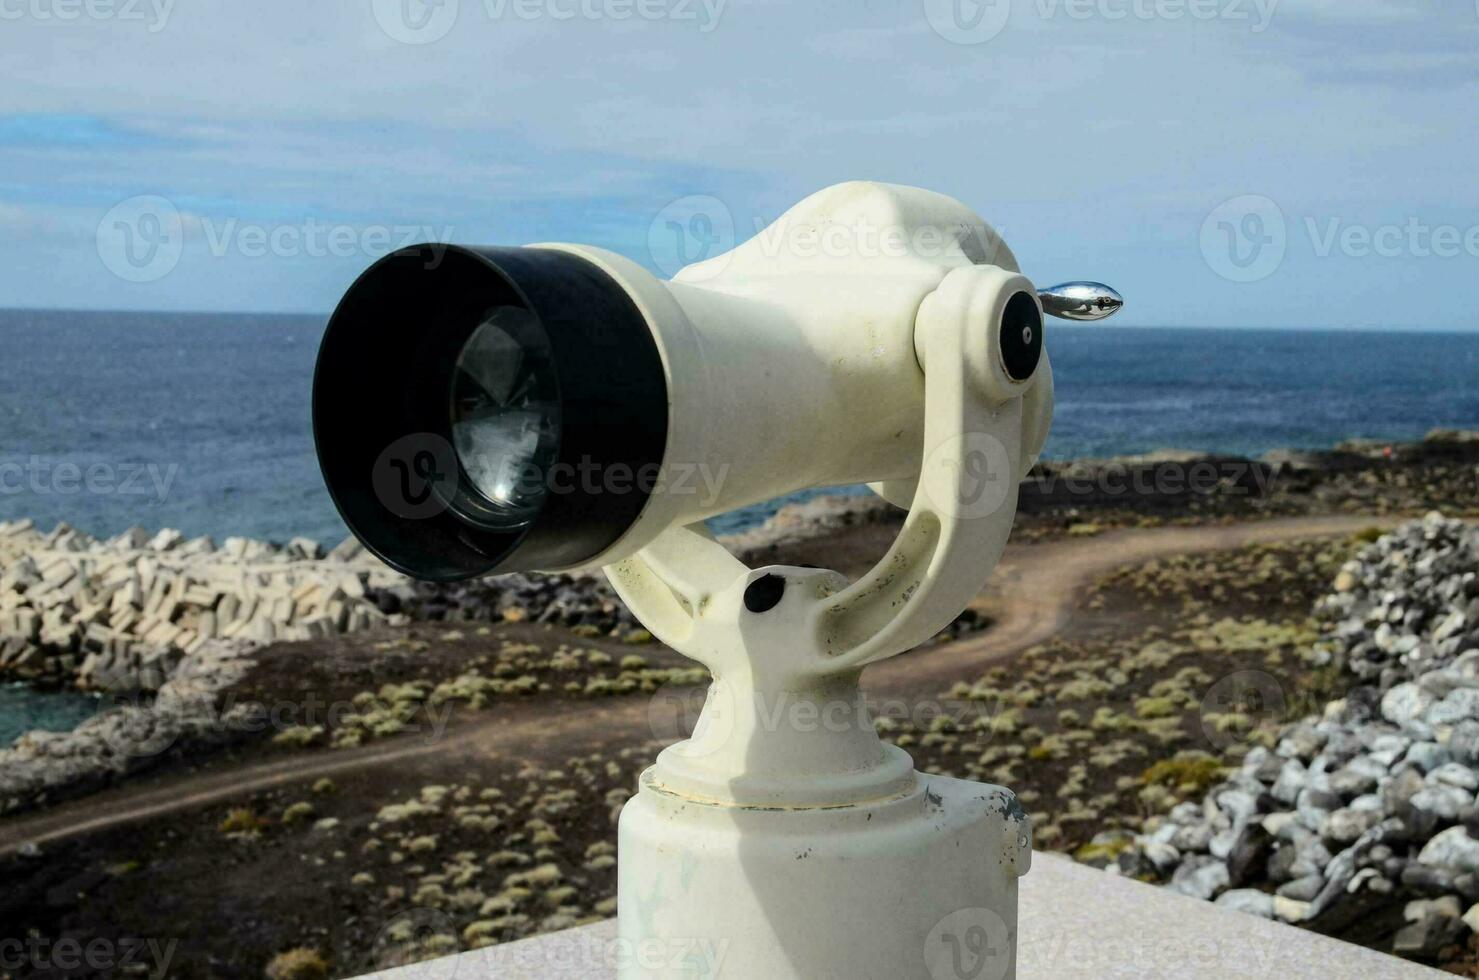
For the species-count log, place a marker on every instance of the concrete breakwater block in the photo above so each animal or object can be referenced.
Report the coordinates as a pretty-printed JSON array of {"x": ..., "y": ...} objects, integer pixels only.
[
  {"x": 120, "y": 614},
  {"x": 116, "y": 615}
]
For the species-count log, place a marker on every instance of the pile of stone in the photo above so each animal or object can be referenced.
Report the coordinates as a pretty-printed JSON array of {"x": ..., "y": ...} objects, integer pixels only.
[
  {"x": 121, "y": 614},
  {"x": 584, "y": 602},
  {"x": 1362, "y": 819}
]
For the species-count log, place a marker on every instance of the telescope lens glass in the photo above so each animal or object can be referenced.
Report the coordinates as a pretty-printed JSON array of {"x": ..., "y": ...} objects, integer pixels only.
[{"x": 505, "y": 419}]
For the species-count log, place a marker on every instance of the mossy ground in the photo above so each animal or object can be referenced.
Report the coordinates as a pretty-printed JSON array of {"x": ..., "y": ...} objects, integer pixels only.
[{"x": 1172, "y": 672}]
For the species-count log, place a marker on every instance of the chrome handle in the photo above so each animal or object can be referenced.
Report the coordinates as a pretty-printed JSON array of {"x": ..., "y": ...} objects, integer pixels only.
[{"x": 1080, "y": 301}]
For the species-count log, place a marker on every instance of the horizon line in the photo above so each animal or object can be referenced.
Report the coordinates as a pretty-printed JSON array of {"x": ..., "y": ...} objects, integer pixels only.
[{"x": 1056, "y": 324}]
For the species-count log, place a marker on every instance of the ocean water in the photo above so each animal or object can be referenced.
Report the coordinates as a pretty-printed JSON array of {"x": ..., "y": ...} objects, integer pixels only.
[
  {"x": 201, "y": 422},
  {"x": 23, "y": 710}
]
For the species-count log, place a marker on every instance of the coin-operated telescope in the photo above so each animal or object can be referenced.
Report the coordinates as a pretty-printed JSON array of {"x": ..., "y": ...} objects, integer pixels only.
[{"x": 488, "y": 410}]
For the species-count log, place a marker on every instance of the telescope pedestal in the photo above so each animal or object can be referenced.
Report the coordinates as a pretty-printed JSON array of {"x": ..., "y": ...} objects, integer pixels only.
[
  {"x": 922, "y": 885},
  {"x": 784, "y": 840}
]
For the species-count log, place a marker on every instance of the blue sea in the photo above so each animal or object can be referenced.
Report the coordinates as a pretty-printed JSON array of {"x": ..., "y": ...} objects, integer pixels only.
[
  {"x": 201, "y": 421},
  {"x": 23, "y": 709}
]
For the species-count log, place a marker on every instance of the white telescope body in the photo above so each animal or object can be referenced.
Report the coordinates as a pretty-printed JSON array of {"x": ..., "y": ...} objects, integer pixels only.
[
  {"x": 874, "y": 333},
  {"x": 793, "y": 360}
]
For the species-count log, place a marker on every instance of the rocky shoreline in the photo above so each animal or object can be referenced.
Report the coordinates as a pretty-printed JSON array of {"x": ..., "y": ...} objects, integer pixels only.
[
  {"x": 163, "y": 625},
  {"x": 118, "y": 615},
  {"x": 1362, "y": 821}
]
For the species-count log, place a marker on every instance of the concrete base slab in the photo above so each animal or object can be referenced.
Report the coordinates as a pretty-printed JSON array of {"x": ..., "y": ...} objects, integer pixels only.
[{"x": 1076, "y": 923}]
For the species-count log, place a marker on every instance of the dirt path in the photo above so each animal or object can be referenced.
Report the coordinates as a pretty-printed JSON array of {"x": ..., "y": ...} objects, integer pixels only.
[
  {"x": 1034, "y": 590},
  {"x": 1032, "y": 595}
]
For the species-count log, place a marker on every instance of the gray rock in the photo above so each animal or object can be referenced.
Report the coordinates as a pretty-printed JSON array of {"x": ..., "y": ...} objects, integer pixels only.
[
  {"x": 1427, "y": 880},
  {"x": 1192, "y": 839},
  {"x": 1390, "y": 742},
  {"x": 305, "y": 549},
  {"x": 1385, "y": 757},
  {"x": 1291, "y": 780},
  {"x": 1239, "y": 804},
  {"x": 1311, "y": 818},
  {"x": 1249, "y": 853},
  {"x": 1262, "y": 765},
  {"x": 1249, "y": 901},
  {"x": 1447, "y": 906},
  {"x": 1460, "y": 705},
  {"x": 1280, "y": 866},
  {"x": 1163, "y": 833},
  {"x": 1446, "y": 803},
  {"x": 1186, "y": 814},
  {"x": 1463, "y": 743},
  {"x": 1452, "y": 849},
  {"x": 1311, "y": 856},
  {"x": 1451, "y": 625},
  {"x": 1319, "y": 799},
  {"x": 1301, "y": 742},
  {"x": 1163, "y": 857},
  {"x": 1427, "y": 756},
  {"x": 1342, "y": 868},
  {"x": 1282, "y": 825},
  {"x": 1455, "y": 774},
  {"x": 1423, "y": 938},
  {"x": 1370, "y": 880},
  {"x": 1467, "y": 885},
  {"x": 1203, "y": 882},
  {"x": 1345, "y": 826},
  {"x": 1302, "y": 889},
  {"x": 1356, "y": 778},
  {"x": 1341, "y": 746},
  {"x": 1414, "y": 824},
  {"x": 1290, "y": 910}
]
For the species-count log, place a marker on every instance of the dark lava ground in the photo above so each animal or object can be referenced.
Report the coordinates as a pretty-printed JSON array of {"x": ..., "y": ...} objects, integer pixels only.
[{"x": 449, "y": 785}]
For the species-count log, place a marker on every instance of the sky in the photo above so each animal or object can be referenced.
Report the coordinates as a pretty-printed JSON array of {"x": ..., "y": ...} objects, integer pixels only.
[{"x": 1278, "y": 163}]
